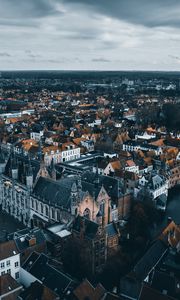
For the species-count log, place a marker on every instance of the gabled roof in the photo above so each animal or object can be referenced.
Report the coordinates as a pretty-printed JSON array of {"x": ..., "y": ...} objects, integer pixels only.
[
  {"x": 87, "y": 291},
  {"x": 21, "y": 238},
  {"x": 54, "y": 192},
  {"x": 150, "y": 259},
  {"x": 38, "y": 291},
  {"x": 116, "y": 165},
  {"x": 148, "y": 293},
  {"x": 8, "y": 249},
  {"x": 43, "y": 270},
  {"x": 8, "y": 284},
  {"x": 162, "y": 281},
  {"x": 111, "y": 230},
  {"x": 88, "y": 227}
]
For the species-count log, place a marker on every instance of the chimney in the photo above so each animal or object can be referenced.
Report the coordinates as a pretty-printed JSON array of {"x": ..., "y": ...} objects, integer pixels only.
[{"x": 31, "y": 240}]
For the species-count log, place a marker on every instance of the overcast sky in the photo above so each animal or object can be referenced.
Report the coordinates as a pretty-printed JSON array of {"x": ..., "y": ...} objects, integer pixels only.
[{"x": 90, "y": 34}]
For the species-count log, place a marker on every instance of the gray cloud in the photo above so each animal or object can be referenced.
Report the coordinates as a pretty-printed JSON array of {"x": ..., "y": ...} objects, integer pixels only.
[
  {"x": 26, "y": 8},
  {"x": 34, "y": 55},
  {"x": 89, "y": 34},
  {"x": 174, "y": 57},
  {"x": 101, "y": 60},
  {"x": 150, "y": 13},
  {"x": 26, "y": 12},
  {"x": 4, "y": 54}
]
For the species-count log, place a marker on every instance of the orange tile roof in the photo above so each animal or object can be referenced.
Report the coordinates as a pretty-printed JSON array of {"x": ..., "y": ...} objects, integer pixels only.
[
  {"x": 78, "y": 141},
  {"x": 159, "y": 143},
  {"x": 173, "y": 231},
  {"x": 27, "y": 144},
  {"x": 130, "y": 163},
  {"x": 116, "y": 165}
]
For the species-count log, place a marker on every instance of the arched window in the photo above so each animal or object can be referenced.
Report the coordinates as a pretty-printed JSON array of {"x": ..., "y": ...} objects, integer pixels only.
[
  {"x": 37, "y": 205},
  {"x": 32, "y": 203},
  {"x": 87, "y": 213},
  {"x": 47, "y": 211},
  {"x": 53, "y": 213},
  {"x": 58, "y": 215},
  {"x": 42, "y": 208},
  {"x": 102, "y": 208}
]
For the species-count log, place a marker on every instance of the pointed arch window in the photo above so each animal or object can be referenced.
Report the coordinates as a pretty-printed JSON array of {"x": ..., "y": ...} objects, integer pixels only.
[
  {"x": 102, "y": 208},
  {"x": 87, "y": 213},
  {"x": 47, "y": 211},
  {"x": 42, "y": 208}
]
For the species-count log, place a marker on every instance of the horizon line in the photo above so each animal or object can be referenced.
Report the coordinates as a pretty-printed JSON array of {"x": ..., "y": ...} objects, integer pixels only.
[{"x": 87, "y": 70}]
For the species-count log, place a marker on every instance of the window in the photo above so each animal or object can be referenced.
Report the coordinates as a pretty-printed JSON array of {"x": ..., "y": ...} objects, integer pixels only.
[
  {"x": 36, "y": 205},
  {"x": 32, "y": 203},
  {"x": 8, "y": 263},
  {"x": 53, "y": 213},
  {"x": 2, "y": 265},
  {"x": 16, "y": 264},
  {"x": 2, "y": 273},
  {"x": 87, "y": 213},
  {"x": 47, "y": 211},
  {"x": 41, "y": 208},
  {"x": 9, "y": 271},
  {"x": 58, "y": 215},
  {"x": 16, "y": 275},
  {"x": 102, "y": 208}
]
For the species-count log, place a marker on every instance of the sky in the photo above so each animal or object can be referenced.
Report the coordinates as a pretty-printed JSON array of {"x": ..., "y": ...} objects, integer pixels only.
[{"x": 90, "y": 35}]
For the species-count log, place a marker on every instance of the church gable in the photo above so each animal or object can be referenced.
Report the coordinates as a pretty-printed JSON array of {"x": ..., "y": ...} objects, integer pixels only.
[
  {"x": 103, "y": 195},
  {"x": 88, "y": 207}
]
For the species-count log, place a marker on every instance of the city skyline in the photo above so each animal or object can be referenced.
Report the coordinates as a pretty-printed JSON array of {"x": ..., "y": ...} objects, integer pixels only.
[{"x": 89, "y": 35}]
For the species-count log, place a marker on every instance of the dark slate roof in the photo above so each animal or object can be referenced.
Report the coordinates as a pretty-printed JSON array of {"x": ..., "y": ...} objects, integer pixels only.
[
  {"x": 90, "y": 228},
  {"x": 150, "y": 259},
  {"x": 30, "y": 260},
  {"x": 37, "y": 128},
  {"x": 39, "y": 292},
  {"x": 162, "y": 281},
  {"x": 54, "y": 192},
  {"x": 21, "y": 238},
  {"x": 56, "y": 280},
  {"x": 59, "y": 192},
  {"x": 110, "y": 184},
  {"x": 148, "y": 293},
  {"x": 111, "y": 230},
  {"x": 130, "y": 287}
]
